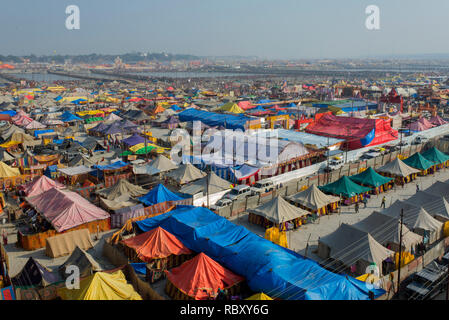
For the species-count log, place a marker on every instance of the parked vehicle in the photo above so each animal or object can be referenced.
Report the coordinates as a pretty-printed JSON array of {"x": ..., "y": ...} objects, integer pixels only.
[
  {"x": 334, "y": 164},
  {"x": 420, "y": 139},
  {"x": 220, "y": 204},
  {"x": 239, "y": 192},
  {"x": 427, "y": 283},
  {"x": 262, "y": 186}
]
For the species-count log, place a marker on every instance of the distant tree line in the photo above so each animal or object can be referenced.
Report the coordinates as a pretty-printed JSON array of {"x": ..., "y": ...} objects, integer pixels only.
[{"x": 95, "y": 58}]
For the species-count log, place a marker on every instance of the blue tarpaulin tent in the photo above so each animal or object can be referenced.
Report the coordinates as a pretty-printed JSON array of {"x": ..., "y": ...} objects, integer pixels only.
[
  {"x": 159, "y": 194},
  {"x": 267, "y": 267},
  {"x": 11, "y": 113},
  {"x": 214, "y": 119},
  {"x": 38, "y": 132},
  {"x": 68, "y": 117}
]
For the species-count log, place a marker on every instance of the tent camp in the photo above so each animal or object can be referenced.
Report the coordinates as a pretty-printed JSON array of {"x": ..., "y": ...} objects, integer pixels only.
[
  {"x": 123, "y": 188},
  {"x": 64, "y": 244},
  {"x": 346, "y": 188},
  {"x": 186, "y": 173},
  {"x": 277, "y": 211},
  {"x": 83, "y": 260},
  {"x": 34, "y": 274},
  {"x": 101, "y": 286},
  {"x": 200, "y": 274},
  {"x": 314, "y": 200},
  {"x": 433, "y": 204},
  {"x": 416, "y": 219},
  {"x": 159, "y": 194},
  {"x": 156, "y": 244},
  {"x": 386, "y": 230},
  {"x": 209, "y": 184},
  {"x": 259, "y": 296},
  {"x": 66, "y": 209},
  {"x": 40, "y": 185},
  {"x": 351, "y": 246}
]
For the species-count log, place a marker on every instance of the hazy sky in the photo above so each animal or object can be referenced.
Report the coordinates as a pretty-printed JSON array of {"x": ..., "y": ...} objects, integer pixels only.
[{"x": 266, "y": 28}]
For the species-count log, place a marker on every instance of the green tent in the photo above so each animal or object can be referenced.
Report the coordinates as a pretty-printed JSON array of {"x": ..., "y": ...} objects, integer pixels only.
[
  {"x": 126, "y": 153},
  {"x": 94, "y": 119},
  {"x": 345, "y": 187},
  {"x": 143, "y": 151},
  {"x": 371, "y": 178},
  {"x": 419, "y": 162},
  {"x": 435, "y": 155}
]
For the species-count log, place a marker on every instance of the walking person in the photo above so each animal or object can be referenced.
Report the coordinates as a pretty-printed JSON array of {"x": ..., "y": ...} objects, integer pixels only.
[
  {"x": 417, "y": 187},
  {"x": 5, "y": 237},
  {"x": 356, "y": 207},
  {"x": 384, "y": 200},
  {"x": 365, "y": 201}
]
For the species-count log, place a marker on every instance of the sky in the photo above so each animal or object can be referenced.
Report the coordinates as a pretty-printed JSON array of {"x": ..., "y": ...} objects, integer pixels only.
[{"x": 268, "y": 29}]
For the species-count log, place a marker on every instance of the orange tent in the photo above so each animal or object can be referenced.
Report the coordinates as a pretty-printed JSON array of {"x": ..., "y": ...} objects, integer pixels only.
[
  {"x": 200, "y": 274},
  {"x": 156, "y": 244},
  {"x": 158, "y": 109}
]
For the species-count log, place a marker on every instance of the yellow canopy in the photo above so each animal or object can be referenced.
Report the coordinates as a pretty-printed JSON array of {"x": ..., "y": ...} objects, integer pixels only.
[
  {"x": 7, "y": 171},
  {"x": 259, "y": 296},
  {"x": 231, "y": 107},
  {"x": 368, "y": 277},
  {"x": 9, "y": 144},
  {"x": 101, "y": 286},
  {"x": 142, "y": 145}
]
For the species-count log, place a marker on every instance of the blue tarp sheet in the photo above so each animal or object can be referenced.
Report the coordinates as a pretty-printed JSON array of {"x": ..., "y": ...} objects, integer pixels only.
[
  {"x": 112, "y": 166},
  {"x": 214, "y": 119},
  {"x": 11, "y": 113},
  {"x": 67, "y": 117},
  {"x": 139, "y": 267},
  {"x": 268, "y": 268},
  {"x": 159, "y": 194},
  {"x": 38, "y": 132}
]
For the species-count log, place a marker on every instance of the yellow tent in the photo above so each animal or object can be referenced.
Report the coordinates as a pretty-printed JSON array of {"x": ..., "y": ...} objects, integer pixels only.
[
  {"x": 101, "y": 286},
  {"x": 7, "y": 171},
  {"x": 9, "y": 144},
  {"x": 259, "y": 296},
  {"x": 368, "y": 277},
  {"x": 231, "y": 107},
  {"x": 274, "y": 235}
]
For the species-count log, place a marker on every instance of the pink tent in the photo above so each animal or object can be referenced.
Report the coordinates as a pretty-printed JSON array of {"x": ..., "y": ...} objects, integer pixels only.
[
  {"x": 21, "y": 119},
  {"x": 245, "y": 105},
  {"x": 426, "y": 123},
  {"x": 39, "y": 185},
  {"x": 417, "y": 126},
  {"x": 35, "y": 125},
  {"x": 66, "y": 209},
  {"x": 437, "y": 121}
]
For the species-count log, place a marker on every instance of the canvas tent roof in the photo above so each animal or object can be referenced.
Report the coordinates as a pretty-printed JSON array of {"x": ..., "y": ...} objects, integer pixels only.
[
  {"x": 64, "y": 244},
  {"x": 202, "y": 272},
  {"x": 160, "y": 164},
  {"x": 371, "y": 178},
  {"x": 83, "y": 260},
  {"x": 39, "y": 185},
  {"x": 209, "y": 184},
  {"x": 118, "y": 203},
  {"x": 186, "y": 173},
  {"x": 122, "y": 188},
  {"x": 7, "y": 171},
  {"x": 34, "y": 274},
  {"x": 345, "y": 187},
  {"x": 386, "y": 229},
  {"x": 101, "y": 286},
  {"x": 439, "y": 189},
  {"x": 66, "y": 209},
  {"x": 398, "y": 168},
  {"x": 414, "y": 217},
  {"x": 159, "y": 194},
  {"x": 435, "y": 155},
  {"x": 313, "y": 198},
  {"x": 419, "y": 162},
  {"x": 278, "y": 211},
  {"x": 349, "y": 245},
  {"x": 156, "y": 244},
  {"x": 433, "y": 204}
]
